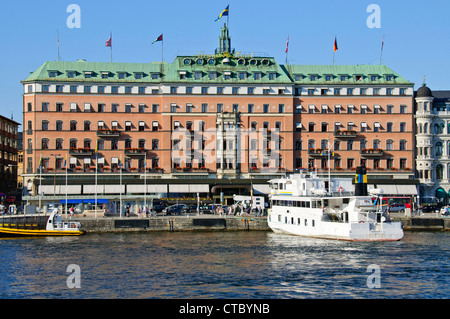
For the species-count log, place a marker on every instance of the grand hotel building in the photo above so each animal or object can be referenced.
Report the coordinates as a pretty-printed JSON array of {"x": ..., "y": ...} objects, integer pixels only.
[{"x": 217, "y": 125}]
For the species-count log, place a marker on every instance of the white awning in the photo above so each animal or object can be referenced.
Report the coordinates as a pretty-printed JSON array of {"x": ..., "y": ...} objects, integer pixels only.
[
  {"x": 114, "y": 123},
  {"x": 114, "y": 160},
  {"x": 406, "y": 190},
  {"x": 261, "y": 189},
  {"x": 337, "y": 124},
  {"x": 182, "y": 188},
  {"x": 338, "y": 106},
  {"x": 127, "y": 123},
  {"x": 298, "y": 106},
  {"x": 101, "y": 123},
  {"x": 141, "y": 123},
  {"x": 363, "y": 124},
  {"x": 312, "y": 107},
  {"x": 87, "y": 161},
  {"x": 377, "y": 106},
  {"x": 73, "y": 160},
  {"x": 299, "y": 125},
  {"x": 73, "y": 105},
  {"x": 87, "y": 106},
  {"x": 101, "y": 160},
  {"x": 350, "y": 106},
  {"x": 364, "y": 106},
  {"x": 376, "y": 124},
  {"x": 324, "y": 107},
  {"x": 155, "y": 124}
]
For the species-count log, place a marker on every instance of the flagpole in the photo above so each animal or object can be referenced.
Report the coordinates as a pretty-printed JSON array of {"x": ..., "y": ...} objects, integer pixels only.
[
  {"x": 120, "y": 183},
  {"x": 57, "y": 35},
  {"x": 111, "y": 48},
  {"x": 382, "y": 46},
  {"x": 96, "y": 169},
  {"x": 40, "y": 182},
  {"x": 145, "y": 180},
  {"x": 66, "y": 185}
]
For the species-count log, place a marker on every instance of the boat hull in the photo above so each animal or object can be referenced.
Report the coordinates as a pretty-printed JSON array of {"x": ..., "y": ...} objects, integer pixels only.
[
  {"x": 14, "y": 232},
  {"x": 346, "y": 232}
]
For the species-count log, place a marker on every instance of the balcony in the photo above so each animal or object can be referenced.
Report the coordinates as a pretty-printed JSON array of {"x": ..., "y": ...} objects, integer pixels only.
[
  {"x": 318, "y": 152},
  {"x": 108, "y": 133},
  {"x": 371, "y": 152},
  {"x": 345, "y": 134},
  {"x": 135, "y": 151},
  {"x": 81, "y": 151}
]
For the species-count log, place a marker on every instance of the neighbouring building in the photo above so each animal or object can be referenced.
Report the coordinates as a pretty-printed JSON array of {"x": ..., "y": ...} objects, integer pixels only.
[
  {"x": 213, "y": 125},
  {"x": 433, "y": 144},
  {"x": 8, "y": 155}
]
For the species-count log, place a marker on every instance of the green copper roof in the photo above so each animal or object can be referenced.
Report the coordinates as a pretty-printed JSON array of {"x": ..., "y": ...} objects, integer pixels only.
[
  {"x": 345, "y": 74},
  {"x": 218, "y": 69},
  {"x": 96, "y": 72}
]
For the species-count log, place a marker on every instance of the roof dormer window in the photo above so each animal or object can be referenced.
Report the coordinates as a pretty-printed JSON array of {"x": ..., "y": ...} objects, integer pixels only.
[
  {"x": 52, "y": 74},
  {"x": 121, "y": 75}
]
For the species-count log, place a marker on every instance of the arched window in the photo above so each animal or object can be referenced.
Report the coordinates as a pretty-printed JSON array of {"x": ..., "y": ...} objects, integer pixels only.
[
  {"x": 402, "y": 145},
  {"x": 389, "y": 145},
  {"x": 73, "y": 125},
  {"x": 376, "y": 144},
  {"x": 425, "y": 128}
]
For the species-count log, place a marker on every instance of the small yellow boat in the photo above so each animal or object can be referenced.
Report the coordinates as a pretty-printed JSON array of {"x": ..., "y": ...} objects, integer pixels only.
[{"x": 54, "y": 227}]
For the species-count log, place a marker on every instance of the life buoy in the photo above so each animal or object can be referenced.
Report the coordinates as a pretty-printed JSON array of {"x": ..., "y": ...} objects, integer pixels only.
[{"x": 361, "y": 222}]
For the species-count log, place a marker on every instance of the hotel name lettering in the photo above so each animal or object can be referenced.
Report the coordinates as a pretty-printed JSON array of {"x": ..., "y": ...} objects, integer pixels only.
[{"x": 226, "y": 55}]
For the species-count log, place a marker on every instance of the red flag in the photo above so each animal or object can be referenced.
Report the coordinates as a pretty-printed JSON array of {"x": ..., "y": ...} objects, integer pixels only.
[
  {"x": 160, "y": 38},
  {"x": 109, "y": 42},
  {"x": 287, "y": 45},
  {"x": 335, "y": 45}
]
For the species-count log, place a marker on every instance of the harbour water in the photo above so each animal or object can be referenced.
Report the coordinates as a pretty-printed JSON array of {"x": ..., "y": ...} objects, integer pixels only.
[{"x": 224, "y": 265}]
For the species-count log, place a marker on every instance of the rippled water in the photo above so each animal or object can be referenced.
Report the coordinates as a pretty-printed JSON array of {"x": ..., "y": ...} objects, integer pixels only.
[{"x": 231, "y": 265}]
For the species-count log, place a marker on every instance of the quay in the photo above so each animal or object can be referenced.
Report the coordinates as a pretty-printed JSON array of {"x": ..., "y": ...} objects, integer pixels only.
[
  {"x": 173, "y": 223},
  {"x": 101, "y": 224}
]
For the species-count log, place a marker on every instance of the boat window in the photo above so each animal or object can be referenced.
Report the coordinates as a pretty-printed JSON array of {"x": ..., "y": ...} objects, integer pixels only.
[
  {"x": 313, "y": 223},
  {"x": 308, "y": 204},
  {"x": 285, "y": 220},
  {"x": 275, "y": 186},
  {"x": 298, "y": 221},
  {"x": 292, "y": 220},
  {"x": 306, "y": 222}
]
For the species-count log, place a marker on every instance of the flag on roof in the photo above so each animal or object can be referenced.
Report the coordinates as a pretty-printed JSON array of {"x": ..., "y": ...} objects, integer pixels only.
[
  {"x": 109, "y": 42},
  {"x": 335, "y": 45},
  {"x": 160, "y": 38},
  {"x": 224, "y": 13}
]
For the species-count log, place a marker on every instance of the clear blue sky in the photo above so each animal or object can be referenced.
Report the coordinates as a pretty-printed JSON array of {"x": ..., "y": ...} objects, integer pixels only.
[{"x": 416, "y": 34}]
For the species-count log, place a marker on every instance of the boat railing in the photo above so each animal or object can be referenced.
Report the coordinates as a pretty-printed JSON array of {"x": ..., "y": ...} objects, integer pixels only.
[{"x": 68, "y": 226}]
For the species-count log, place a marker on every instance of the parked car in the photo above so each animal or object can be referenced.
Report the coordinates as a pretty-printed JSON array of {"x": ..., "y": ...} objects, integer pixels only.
[
  {"x": 394, "y": 208},
  {"x": 432, "y": 208},
  {"x": 174, "y": 209},
  {"x": 190, "y": 209},
  {"x": 207, "y": 209}
]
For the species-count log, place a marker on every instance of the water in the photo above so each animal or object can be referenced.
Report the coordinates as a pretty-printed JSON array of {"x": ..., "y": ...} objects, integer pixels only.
[{"x": 224, "y": 265}]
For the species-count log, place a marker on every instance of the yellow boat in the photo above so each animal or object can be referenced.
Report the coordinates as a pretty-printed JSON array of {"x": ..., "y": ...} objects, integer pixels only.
[{"x": 54, "y": 227}]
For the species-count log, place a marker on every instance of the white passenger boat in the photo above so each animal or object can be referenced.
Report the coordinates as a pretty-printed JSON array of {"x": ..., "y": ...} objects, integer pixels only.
[{"x": 330, "y": 208}]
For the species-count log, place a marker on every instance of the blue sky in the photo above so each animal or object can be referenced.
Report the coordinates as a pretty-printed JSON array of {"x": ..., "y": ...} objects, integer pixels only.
[{"x": 416, "y": 35}]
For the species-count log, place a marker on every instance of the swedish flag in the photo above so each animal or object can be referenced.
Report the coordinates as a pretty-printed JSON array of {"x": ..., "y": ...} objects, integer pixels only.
[{"x": 224, "y": 13}]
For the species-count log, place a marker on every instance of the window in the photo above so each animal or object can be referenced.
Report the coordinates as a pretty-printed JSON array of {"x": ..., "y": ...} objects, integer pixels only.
[
  {"x": 59, "y": 107},
  {"x": 204, "y": 90},
  {"x": 44, "y": 144},
  {"x": 141, "y": 108},
  {"x": 138, "y": 76},
  {"x": 349, "y": 91},
  {"x": 128, "y": 126},
  {"x": 257, "y": 76},
  {"x": 311, "y": 91},
  {"x": 389, "y": 127},
  {"x": 73, "y": 125},
  {"x": 389, "y": 109},
  {"x": 87, "y": 89},
  {"x": 141, "y": 90},
  {"x": 101, "y": 89},
  {"x": 45, "y": 88},
  {"x": 189, "y": 90},
  {"x": 403, "y": 109},
  {"x": 114, "y": 89},
  {"x": 155, "y": 76},
  {"x": 376, "y": 144},
  {"x": 389, "y": 91},
  {"x": 242, "y": 75},
  {"x": 114, "y": 108},
  {"x": 402, "y": 127},
  {"x": 250, "y": 108},
  {"x": 376, "y": 91},
  {"x": 45, "y": 125},
  {"x": 402, "y": 91},
  {"x": 337, "y": 91},
  {"x": 250, "y": 90},
  {"x": 204, "y": 108},
  {"x": 128, "y": 108},
  {"x": 100, "y": 107},
  {"x": 155, "y": 126},
  {"x": 219, "y": 108},
  {"x": 155, "y": 144},
  {"x": 389, "y": 145},
  {"x": 280, "y": 108},
  {"x": 272, "y": 76},
  {"x": 311, "y": 127},
  {"x": 59, "y": 144},
  {"x": 324, "y": 127},
  {"x": 155, "y": 108},
  {"x": 212, "y": 75},
  {"x": 121, "y": 75},
  {"x": 59, "y": 125},
  {"x": 349, "y": 145},
  {"x": 265, "y": 108},
  {"x": 44, "y": 107},
  {"x": 128, "y": 89},
  {"x": 402, "y": 145},
  {"x": 87, "y": 125},
  {"x": 114, "y": 144},
  {"x": 363, "y": 91},
  {"x": 220, "y": 90}
]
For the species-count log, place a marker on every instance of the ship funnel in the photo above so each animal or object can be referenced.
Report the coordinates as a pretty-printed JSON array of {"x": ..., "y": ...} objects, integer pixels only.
[{"x": 361, "y": 181}]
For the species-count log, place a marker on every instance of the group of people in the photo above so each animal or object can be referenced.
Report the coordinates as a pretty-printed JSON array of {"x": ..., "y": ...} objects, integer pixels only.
[{"x": 239, "y": 210}]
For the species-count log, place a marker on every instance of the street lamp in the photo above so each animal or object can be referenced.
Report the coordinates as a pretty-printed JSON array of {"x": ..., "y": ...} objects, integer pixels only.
[{"x": 54, "y": 174}]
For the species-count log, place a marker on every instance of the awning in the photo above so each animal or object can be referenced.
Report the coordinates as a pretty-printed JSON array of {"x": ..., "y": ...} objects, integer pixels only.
[
  {"x": 86, "y": 201},
  {"x": 399, "y": 189},
  {"x": 440, "y": 193},
  {"x": 261, "y": 189}
]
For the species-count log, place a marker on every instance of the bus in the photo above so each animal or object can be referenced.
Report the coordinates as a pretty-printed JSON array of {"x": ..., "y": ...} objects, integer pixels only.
[{"x": 387, "y": 201}]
